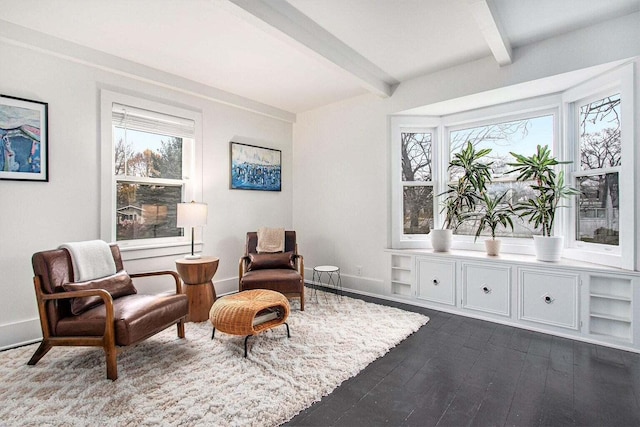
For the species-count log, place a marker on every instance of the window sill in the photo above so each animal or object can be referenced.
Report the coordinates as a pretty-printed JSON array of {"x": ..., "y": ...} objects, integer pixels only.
[
  {"x": 137, "y": 251},
  {"x": 521, "y": 249},
  {"x": 471, "y": 255}
]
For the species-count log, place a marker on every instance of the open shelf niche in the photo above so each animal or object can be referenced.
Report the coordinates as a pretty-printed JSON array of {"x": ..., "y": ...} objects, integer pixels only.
[
  {"x": 402, "y": 275},
  {"x": 610, "y": 307}
]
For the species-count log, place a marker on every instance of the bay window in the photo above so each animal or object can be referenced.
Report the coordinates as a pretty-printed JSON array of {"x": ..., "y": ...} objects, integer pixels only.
[{"x": 589, "y": 128}]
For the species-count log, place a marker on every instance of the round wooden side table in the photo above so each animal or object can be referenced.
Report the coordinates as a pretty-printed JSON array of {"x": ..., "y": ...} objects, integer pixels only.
[{"x": 196, "y": 275}]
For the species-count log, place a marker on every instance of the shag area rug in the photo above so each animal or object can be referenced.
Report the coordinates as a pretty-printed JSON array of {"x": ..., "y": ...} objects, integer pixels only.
[{"x": 202, "y": 382}]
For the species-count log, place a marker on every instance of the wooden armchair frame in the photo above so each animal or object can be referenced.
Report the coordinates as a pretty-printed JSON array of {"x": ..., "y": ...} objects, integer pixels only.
[
  {"x": 292, "y": 245},
  {"x": 107, "y": 340}
]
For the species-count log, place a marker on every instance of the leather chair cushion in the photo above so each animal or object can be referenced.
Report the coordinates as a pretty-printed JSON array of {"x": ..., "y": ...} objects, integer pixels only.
[
  {"x": 281, "y": 280},
  {"x": 136, "y": 317},
  {"x": 262, "y": 261},
  {"x": 118, "y": 285}
]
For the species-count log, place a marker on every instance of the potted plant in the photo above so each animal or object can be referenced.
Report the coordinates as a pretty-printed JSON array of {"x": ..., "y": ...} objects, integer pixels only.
[
  {"x": 461, "y": 197},
  {"x": 549, "y": 190},
  {"x": 493, "y": 212}
]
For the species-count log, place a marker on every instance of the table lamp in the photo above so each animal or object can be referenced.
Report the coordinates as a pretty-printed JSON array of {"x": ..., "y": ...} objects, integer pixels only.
[{"x": 192, "y": 215}]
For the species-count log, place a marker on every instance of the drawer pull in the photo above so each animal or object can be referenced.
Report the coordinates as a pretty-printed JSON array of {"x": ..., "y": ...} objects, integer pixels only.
[
  {"x": 547, "y": 299},
  {"x": 436, "y": 282},
  {"x": 486, "y": 289}
]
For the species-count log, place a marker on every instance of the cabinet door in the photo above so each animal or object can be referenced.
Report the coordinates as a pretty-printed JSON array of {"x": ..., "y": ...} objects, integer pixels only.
[
  {"x": 486, "y": 288},
  {"x": 549, "y": 298},
  {"x": 436, "y": 280}
]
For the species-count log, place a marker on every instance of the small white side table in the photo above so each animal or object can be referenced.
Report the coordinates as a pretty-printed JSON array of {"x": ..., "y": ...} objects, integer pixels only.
[{"x": 333, "y": 279}]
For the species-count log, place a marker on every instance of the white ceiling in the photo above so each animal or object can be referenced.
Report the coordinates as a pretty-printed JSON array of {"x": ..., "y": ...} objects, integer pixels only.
[{"x": 297, "y": 55}]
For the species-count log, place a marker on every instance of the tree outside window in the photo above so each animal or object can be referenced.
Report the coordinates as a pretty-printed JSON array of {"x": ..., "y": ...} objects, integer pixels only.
[
  {"x": 600, "y": 159},
  {"x": 417, "y": 176}
]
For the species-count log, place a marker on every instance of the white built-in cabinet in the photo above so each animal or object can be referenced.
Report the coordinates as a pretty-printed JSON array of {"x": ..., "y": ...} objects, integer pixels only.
[
  {"x": 436, "y": 281},
  {"x": 486, "y": 288},
  {"x": 571, "y": 299}
]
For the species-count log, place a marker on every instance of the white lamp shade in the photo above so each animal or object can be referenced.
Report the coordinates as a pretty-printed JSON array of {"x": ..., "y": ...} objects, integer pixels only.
[{"x": 192, "y": 214}]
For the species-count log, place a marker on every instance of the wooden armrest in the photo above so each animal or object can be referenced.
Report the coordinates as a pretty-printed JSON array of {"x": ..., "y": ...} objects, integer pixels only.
[
  {"x": 106, "y": 296},
  {"x": 299, "y": 260},
  {"x": 41, "y": 297},
  {"x": 242, "y": 266},
  {"x": 175, "y": 275}
]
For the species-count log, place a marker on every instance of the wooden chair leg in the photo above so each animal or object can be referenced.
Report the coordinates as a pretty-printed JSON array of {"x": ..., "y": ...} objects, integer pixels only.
[
  {"x": 112, "y": 364},
  {"x": 42, "y": 349},
  {"x": 180, "y": 325},
  {"x": 302, "y": 301}
]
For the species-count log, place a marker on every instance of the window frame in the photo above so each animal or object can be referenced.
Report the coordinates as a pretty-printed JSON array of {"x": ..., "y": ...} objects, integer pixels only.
[
  {"x": 506, "y": 112},
  {"x": 399, "y": 125},
  {"x": 192, "y": 174},
  {"x": 620, "y": 81}
]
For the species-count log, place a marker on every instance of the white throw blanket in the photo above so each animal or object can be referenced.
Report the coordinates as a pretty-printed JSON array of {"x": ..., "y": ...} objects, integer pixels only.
[
  {"x": 270, "y": 240},
  {"x": 91, "y": 259}
]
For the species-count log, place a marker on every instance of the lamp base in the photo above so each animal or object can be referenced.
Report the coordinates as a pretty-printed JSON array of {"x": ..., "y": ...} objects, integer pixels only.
[{"x": 194, "y": 256}]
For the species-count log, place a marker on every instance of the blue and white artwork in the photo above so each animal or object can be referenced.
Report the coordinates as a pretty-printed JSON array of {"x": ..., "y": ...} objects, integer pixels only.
[
  {"x": 23, "y": 139},
  {"x": 255, "y": 168}
]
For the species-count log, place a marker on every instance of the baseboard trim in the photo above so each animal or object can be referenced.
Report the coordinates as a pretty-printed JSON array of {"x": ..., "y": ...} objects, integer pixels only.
[
  {"x": 226, "y": 286},
  {"x": 20, "y": 333}
]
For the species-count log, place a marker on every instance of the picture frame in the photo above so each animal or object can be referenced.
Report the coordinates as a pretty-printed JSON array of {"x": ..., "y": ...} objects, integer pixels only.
[
  {"x": 24, "y": 139},
  {"x": 254, "y": 168}
]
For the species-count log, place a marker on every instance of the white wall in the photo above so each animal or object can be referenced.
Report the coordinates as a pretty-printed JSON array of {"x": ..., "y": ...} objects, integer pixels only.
[
  {"x": 340, "y": 189},
  {"x": 341, "y": 151},
  {"x": 37, "y": 216}
]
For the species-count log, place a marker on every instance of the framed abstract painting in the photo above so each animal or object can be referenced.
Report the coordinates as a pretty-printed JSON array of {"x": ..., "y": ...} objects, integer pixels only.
[
  {"x": 24, "y": 139},
  {"x": 255, "y": 168}
]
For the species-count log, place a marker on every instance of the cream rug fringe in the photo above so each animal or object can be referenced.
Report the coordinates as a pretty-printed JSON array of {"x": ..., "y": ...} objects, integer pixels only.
[{"x": 166, "y": 381}]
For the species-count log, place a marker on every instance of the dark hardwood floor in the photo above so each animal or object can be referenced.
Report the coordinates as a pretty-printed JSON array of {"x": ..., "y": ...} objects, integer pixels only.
[{"x": 457, "y": 371}]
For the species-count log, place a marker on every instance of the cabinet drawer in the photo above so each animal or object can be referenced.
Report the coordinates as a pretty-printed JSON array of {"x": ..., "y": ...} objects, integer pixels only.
[
  {"x": 437, "y": 281},
  {"x": 549, "y": 298},
  {"x": 486, "y": 288}
]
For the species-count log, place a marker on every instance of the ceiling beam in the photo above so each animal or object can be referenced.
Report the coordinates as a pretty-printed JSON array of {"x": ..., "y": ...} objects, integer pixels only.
[
  {"x": 288, "y": 20},
  {"x": 485, "y": 15}
]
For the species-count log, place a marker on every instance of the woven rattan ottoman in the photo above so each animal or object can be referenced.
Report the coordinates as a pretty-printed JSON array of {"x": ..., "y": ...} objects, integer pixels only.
[{"x": 249, "y": 313}]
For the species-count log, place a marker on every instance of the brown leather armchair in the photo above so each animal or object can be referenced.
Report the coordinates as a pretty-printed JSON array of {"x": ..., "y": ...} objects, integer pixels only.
[
  {"x": 106, "y": 312},
  {"x": 282, "y": 272}
]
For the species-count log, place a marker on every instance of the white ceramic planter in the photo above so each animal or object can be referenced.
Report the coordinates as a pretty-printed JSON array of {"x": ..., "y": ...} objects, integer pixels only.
[
  {"x": 492, "y": 247},
  {"x": 548, "y": 248},
  {"x": 441, "y": 240}
]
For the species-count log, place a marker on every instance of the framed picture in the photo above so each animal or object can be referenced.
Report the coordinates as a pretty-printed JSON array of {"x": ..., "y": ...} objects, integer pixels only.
[
  {"x": 255, "y": 168},
  {"x": 24, "y": 140}
]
